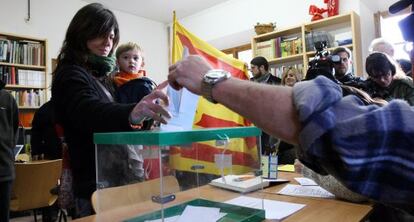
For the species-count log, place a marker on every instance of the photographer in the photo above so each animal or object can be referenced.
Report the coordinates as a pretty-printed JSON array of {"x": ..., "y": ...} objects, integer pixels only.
[{"x": 343, "y": 68}]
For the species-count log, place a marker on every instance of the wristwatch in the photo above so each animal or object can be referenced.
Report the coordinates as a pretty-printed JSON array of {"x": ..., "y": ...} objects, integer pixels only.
[{"x": 210, "y": 79}]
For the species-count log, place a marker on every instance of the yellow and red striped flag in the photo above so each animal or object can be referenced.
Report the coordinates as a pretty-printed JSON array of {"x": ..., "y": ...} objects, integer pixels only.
[{"x": 244, "y": 151}]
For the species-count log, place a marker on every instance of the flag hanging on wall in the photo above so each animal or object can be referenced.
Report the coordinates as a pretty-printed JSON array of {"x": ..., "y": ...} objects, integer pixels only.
[{"x": 243, "y": 152}]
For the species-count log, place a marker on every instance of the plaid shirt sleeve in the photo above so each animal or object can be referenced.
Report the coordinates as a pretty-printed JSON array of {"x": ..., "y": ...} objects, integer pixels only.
[{"x": 370, "y": 149}]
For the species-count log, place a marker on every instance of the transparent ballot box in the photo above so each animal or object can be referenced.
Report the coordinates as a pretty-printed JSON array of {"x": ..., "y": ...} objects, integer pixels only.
[{"x": 157, "y": 175}]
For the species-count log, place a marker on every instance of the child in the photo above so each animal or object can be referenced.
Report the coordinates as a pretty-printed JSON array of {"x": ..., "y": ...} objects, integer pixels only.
[
  {"x": 130, "y": 62},
  {"x": 131, "y": 87}
]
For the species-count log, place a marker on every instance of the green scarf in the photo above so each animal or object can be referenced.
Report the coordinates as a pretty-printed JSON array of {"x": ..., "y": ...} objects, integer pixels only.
[{"x": 101, "y": 65}]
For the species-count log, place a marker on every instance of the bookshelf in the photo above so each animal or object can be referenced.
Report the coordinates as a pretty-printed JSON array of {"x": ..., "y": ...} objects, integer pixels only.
[
  {"x": 23, "y": 68},
  {"x": 293, "y": 46}
]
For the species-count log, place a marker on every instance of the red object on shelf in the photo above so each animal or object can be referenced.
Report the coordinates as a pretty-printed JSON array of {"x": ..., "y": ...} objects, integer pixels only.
[
  {"x": 332, "y": 7},
  {"x": 316, "y": 12}
]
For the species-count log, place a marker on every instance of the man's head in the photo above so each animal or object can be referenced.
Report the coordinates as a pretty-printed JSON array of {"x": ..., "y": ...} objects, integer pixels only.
[
  {"x": 344, "y": 66},
  {"x": 381, "y": 45},
  {"x": 259, "y": 66}
]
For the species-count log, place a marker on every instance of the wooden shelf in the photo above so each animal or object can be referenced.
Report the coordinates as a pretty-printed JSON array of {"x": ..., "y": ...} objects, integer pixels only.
[
  {"x": 297, "y": 30},
  {"x": 30, "y": 50},
  {"x": 286, "y": 59},
  {"x": 24, "y": 87},
  {"x": 23, "y": 66},
  {"x": 28, "y": 107},
  {"x": 349, "y": 46},
  {"x": 332, "y": 25}
]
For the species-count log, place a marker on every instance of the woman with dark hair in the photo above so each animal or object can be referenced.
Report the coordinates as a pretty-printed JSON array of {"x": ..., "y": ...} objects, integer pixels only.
[
  {"x": 386, "y": 81},
  {"x": 83, "y": 96}
]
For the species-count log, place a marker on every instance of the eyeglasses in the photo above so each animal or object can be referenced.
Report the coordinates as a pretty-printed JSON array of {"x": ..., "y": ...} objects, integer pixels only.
[{"x": 380, "y": 75}]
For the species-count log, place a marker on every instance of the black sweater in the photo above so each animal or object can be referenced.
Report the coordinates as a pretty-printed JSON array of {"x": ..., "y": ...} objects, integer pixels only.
[
  {"x": 9, "y": 120},
  {"x": 83, "y": 108}
]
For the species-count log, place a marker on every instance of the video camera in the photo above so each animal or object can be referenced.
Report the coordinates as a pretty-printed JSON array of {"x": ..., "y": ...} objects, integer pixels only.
[
  {"x": 407, "y": 23},
  {"x": 323, "y": 63}
]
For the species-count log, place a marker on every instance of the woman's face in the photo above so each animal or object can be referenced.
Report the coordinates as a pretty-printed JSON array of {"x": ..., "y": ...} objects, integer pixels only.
[
  {"x": 290, "y": 79},
  {"x": 383, "y": 80},
  {"x": 101, "y": 46}
]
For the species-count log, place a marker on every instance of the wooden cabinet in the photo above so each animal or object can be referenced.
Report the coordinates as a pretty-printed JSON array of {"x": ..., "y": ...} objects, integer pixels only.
[
  {"x": 293, "y": 46},
  {"x": 23, "y": 68}
]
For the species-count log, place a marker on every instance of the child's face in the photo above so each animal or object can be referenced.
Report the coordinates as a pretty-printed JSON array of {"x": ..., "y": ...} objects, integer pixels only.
[{"x": 130, "y": 61}]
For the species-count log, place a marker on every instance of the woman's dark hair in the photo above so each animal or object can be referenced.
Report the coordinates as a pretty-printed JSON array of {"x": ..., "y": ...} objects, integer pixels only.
[
  {"x": 90, "y": 22},
  {"x": 378, "y": 64}
]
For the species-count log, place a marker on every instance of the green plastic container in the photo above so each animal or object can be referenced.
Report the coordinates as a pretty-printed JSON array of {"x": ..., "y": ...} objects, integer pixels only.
[
  {"x": 234, "y": 213},
  {"x": 165, "y": 138}
]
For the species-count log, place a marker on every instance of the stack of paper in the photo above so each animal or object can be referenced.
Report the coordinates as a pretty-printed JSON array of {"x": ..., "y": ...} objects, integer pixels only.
[
  {"x": 240, "y": 183},
  {"x": 307, "y": 188}
]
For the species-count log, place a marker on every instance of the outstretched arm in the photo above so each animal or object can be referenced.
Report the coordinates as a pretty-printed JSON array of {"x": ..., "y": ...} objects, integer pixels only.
[{"x": 269, "y": 107}]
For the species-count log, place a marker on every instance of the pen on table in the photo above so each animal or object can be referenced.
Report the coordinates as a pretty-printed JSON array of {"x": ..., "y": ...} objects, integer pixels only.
[{"x": 243, "y": 178}]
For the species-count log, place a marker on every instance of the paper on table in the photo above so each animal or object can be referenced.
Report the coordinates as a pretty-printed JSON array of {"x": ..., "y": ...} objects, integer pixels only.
[
  {"x": 305, "y": 191},
  {"x": 305, "y": 181},
  {"x": 182, "y": 107},
  {"x": 200, "y": 214},
  {"x": 192, "y": 215},
  {"x": 275, "y": 210}
]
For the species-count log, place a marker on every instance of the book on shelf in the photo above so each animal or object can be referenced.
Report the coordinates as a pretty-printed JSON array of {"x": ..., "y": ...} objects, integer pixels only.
[
  {"x": 25, "y": 52},
  {"x": 240, "y": 183},
  {"x": 16, "y": 76},
  {"x": 266, "y": 49}
]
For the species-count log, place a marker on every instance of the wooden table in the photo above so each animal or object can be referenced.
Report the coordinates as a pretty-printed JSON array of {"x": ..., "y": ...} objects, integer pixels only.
[{"x": 316, "y": 209}]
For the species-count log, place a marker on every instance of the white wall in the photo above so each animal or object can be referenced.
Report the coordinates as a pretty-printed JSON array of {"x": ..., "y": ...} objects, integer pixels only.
[
  {"x": 50, "y": 19},
  {"x": 232, "y": 23}
]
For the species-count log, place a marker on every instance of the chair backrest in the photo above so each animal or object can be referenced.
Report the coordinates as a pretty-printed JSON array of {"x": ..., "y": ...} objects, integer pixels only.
[
  {"x": 114, "y": 197},
  {"x": 34, "y": 180}
]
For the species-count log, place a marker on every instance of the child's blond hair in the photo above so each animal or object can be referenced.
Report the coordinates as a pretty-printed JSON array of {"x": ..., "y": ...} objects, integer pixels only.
[{"x": 126, "y": 47}]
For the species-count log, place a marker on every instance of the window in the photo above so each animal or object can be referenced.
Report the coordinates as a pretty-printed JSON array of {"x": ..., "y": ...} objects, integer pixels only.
[{"x": 390, "y": 30}]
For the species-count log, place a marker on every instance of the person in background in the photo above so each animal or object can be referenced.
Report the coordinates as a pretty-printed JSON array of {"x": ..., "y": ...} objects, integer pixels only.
[
  {"x": 291, "y": 76},
  {"x": 44, "y": 141},
  {"x": 259, "y": 67},
  {"x": 83, "y": 97},
  {"x": 381, "y": 45},
  {"x": 9, "y": 122},
  {"x": 286, "y": 151},
  {"x": 343, "y": 69},
  {"x": 386, "y": 81},
  {"x": 366, "y": 148}
]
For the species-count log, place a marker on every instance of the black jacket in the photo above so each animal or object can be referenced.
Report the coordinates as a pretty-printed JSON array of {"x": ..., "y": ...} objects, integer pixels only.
[
  {"x": 83, "y": 108},
  {"x": 9, "y": 120},
  {"x": 44, "y": 139}
]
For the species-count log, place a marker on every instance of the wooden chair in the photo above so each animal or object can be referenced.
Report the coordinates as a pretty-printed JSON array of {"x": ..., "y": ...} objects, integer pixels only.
[
  {"x": 114, "y": 197},
  {"x": 34, "y": 180}
]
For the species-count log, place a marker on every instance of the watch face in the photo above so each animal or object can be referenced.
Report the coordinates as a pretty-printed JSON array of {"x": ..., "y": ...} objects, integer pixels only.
[{"x": 215, "y": 74}]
